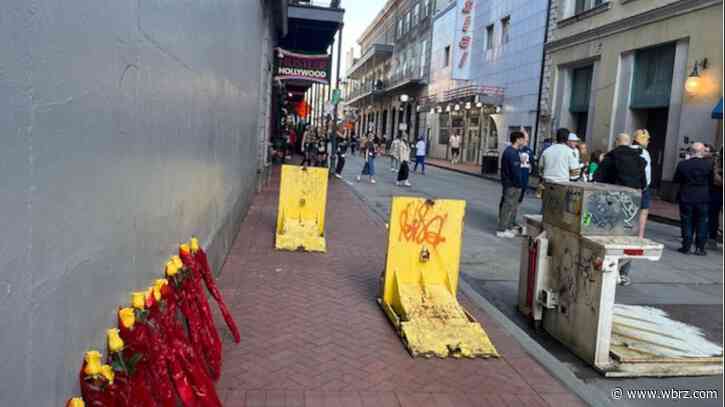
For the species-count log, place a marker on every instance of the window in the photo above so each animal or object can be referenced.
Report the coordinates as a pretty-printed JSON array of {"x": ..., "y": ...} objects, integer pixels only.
[
  {"x": 489, "y": 37},
  {"x": 416, "y": 12},
  {"x": 581, "y": 6},
  {"x": 447, "y": 56},
  {"x": 505, "y": 27},
  {"x": 581, "y": 88},
  {"x": 406, "y": 23},
  {"x": 652, "y": 82},
  {"x": 400, "y": 28},
  {"x": 426, "y": 8}
]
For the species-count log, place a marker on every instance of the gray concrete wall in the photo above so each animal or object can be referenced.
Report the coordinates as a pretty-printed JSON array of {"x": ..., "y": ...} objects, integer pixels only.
[{"x": 125, "y": 127}]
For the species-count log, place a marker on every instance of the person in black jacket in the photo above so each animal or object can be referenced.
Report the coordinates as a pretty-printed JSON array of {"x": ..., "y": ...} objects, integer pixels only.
[
  {"x": 623, "y": 166},
  {"x": 512, "y": 183},
  {"x": 695, "y": 177}
]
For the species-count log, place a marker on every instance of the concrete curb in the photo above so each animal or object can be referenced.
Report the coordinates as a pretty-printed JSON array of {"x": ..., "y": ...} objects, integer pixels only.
[{"x": 591, "y": 395}]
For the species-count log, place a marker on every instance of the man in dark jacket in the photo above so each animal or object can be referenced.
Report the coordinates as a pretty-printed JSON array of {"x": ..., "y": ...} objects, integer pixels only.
[
  {"x": 512, "y": 183},
  {"x": 623, "y": 166},
  {"x": 695, "y": 177}
]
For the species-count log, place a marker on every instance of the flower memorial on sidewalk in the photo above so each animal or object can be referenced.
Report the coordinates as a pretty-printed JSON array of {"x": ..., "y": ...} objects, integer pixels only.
[{"x": 165, "y": 350}]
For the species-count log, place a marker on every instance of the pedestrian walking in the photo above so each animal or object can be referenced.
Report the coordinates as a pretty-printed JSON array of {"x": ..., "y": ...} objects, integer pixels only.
[
  {"x": 419, "y": 156},
  {"x": 369, "y": 150},
  {"x": 353, "y": 144},
  {"x": 455, "y": 142},
  {"x": 525, "y": 154},
  {"x": 308, "y": 143},
  {"x": 623, "y": 166},
  {"x": 394, "y": 152},
  {"x": 342, "y": 146},
  {"x": 404, "y": 170},
  {"x": 512, "y": 185},
  {"x": 716, "y": 199},
  {"x": 695, "y": 176},
  {"x": 640, "y": 142},
  {"x": 291, "y": 143}
]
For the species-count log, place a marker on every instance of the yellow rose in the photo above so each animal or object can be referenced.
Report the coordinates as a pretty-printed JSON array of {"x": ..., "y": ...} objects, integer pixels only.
[
  {"x": 171, "y": 269},
  {"x": 108, "y": 373},
  {"x": 76, "y": 402},
  {"x": 158, "y": 285},
  {"x": 138, "y": 299},
  {"x": 115, "y": 343},
  {"x": 177, "y": 261},
  {"x": 93, "y": 363},
  {"x": 194, "y": 243},
  {"x": 127, "y": 317},
  {"x": 184, "y": 248}
]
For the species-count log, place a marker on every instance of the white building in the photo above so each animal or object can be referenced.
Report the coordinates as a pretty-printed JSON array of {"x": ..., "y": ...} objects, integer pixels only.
[{"x": 501, "y": 83}]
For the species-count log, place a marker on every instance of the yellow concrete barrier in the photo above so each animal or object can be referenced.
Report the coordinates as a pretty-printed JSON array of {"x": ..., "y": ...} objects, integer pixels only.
[
  {"x": 301, "y": 213},
  {"x": 421, "y": 278}
]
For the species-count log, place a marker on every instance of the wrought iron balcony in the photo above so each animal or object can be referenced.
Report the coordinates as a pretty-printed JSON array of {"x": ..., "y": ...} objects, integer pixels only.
[
  {"x": 316, "y": 3},
  {"x": 366, "y": 89},
  {"x": 411, "y": 75}
]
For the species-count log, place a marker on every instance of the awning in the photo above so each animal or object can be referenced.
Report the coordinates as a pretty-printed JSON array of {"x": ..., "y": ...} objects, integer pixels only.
[{"x": 717, "y": 112}]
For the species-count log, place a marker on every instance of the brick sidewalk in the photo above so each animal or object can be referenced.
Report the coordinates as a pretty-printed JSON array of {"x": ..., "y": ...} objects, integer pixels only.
[{"x": 313, "y": 335}]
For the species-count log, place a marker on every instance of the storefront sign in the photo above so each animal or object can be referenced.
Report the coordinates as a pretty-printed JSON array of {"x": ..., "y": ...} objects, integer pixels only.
[
  {"x": 463, "y": 40},
  {"x": 313, "y": 68}
]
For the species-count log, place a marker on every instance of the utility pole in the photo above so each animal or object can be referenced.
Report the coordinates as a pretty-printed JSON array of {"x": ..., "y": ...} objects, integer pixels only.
[{"x": 333, "y": 156}]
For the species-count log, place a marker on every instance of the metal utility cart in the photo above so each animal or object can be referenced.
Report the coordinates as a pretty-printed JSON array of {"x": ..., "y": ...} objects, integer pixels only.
[{"x": 569, "y": 270}]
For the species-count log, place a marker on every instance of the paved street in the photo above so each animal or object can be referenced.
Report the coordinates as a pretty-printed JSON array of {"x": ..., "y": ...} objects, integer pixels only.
[{"x": 687, "y": 287}]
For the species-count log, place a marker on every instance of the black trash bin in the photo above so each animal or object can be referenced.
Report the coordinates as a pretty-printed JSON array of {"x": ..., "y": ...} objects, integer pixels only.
[{"x": 489, "y": 165}]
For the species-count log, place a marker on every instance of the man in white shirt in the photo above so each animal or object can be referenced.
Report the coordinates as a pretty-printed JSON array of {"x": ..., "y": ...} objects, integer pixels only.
[
  {"x": 419, "y": 155},
  {"x": 559, "y": 162},
  {"x": 455, "y": 143}
]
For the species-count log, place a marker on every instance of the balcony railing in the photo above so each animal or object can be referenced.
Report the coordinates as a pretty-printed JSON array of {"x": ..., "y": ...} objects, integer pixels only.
[
  {"x": 316, "y": 3},
  {"x": 409, "y": 74},
  {"x": 367, "y": 87}
]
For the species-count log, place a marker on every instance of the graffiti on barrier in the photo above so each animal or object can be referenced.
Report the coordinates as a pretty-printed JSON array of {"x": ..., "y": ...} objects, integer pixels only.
[{"x": 419, "y": 224}]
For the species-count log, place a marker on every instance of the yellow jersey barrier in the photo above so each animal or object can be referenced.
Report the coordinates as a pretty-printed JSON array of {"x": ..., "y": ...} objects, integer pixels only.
[
  {"x": 418, "y": 292},
  {"x": 301, "y": 211}
]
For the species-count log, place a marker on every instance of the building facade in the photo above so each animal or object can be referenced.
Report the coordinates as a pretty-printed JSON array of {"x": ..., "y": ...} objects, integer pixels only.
[
  {"x": 387, "y": 85},
  {"x": 620, "y": 65},
  {"x": 498, "y": 92}
]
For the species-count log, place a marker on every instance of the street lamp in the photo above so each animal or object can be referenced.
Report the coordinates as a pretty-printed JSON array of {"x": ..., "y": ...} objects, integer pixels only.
[
  {"x": 693, "y": 80},
  {"x": 457, "y": 107},
  {"x": 468, "y": 105}
]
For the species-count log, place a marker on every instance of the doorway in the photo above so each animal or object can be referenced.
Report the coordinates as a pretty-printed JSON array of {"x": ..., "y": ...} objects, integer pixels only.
[
  {"x": 655, "y": 121},
  {"x": 656, "y": 124}
]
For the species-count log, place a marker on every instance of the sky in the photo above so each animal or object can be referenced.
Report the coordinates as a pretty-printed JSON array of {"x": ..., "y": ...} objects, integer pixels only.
[{"x": 358, "y": 14}]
